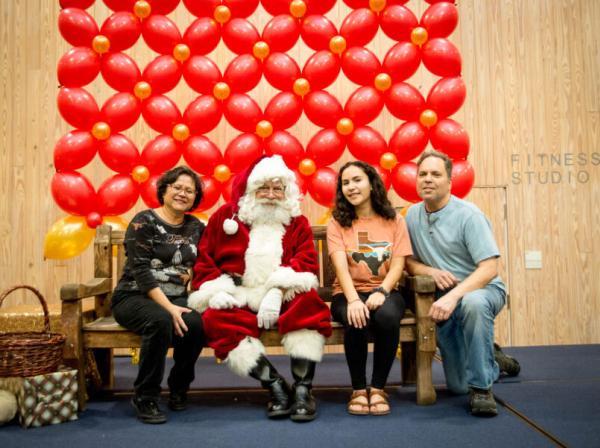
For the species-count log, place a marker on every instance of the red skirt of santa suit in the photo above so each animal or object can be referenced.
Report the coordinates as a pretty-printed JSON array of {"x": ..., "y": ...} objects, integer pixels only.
[{"x": 225, "y": 328}]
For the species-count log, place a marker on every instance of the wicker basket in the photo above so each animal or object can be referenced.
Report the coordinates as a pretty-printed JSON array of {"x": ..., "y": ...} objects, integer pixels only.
[{"x": 30, "y": 354}]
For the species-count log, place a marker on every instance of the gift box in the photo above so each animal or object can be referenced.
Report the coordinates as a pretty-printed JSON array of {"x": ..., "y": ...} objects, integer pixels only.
[{"x": 48, "y": 399}]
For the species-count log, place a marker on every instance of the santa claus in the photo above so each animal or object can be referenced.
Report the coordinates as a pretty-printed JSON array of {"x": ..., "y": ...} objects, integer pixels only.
[{"x": 256, "y": 268}]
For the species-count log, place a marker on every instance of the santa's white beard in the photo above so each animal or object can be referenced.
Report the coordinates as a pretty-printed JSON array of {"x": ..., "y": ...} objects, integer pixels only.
[{"x": 264, "y": 211}]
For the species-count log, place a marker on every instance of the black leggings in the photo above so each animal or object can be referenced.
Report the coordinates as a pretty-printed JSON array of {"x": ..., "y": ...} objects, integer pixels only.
[
  {"x": 384, "y": 324},
  {"x": 142, "y": 315}
]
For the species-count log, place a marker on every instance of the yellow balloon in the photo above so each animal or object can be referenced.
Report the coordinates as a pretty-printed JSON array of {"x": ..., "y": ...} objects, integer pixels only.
[
  {"x": 221, "y": 91},
  {"x": 264, "y": 129},
  {"x": 345, "y": 126},
  {"x": 261, "y": 50},
  {"x": 142, "y": 9},
  {"x": 324, "y": 219},
  {"x": 100, "y": 44},
  {"x": 428, "y": 118},
  {"x": 419, "y": 36},
  {"x": 222, "y": 14},
  {"x": 337, "y": 44},
  {"x": 181, "y": 52},
  {"x": 298, "y": 8},
  {"x": 382, "y": 82},
  {"x": 301, "y": 86},
  {"x": 201, "y": 216},
  {"x": 67, "y": 238},
  {"x": 142, "y": 90}
]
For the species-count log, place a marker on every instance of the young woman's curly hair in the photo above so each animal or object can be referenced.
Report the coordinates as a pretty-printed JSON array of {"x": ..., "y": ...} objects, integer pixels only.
[{"x": 344, "y": 211}]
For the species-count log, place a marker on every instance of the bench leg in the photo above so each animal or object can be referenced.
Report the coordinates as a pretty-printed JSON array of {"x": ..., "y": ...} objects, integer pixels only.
[
  {"x": 425, "y": 392},
  {"x": 104, "y": 362},
  {"x": 73, "y": 355},
  {"x": 408, "y": 363}
]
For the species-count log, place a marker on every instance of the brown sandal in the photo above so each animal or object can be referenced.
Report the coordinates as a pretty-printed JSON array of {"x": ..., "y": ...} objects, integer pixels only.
[
  {"x": 381, "y": 400},
  {"x": 355, "y": 400}
]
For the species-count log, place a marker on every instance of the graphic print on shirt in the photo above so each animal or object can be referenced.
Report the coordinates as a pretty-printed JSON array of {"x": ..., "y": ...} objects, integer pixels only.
[{"x": 371, "y": 253}]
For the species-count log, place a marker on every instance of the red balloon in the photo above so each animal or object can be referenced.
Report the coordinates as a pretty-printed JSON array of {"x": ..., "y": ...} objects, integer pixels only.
[
  {"x": 201, "y": 154},
  {"x": 120, "y": 5},
  {"x": 83, "y": 4},
  {"x": 284, "y": 110},
  {"x": 440, "y": 19},
  {"x": 367, "y": 144},
  {"x": 287, "y": 146},
  {"x": 408, "y": 141},
  {"x": 211, "y": 190},
  {"x": 78, "y": 107},
  {"x": 161, "y": 34},
  {"x": 404, "y": 180},
  {"x": 397, "y": 22},
  {"x": 148, "y": 192},
  {"x": 161, "y": 113},
  {"x": 201, "y": 8},
  {"x": 354, "y": 4},
  {"x": 243, "y": 73},
  {"x": 120, "y": 71},
  {"x": 321, "y": 69},
  {"x": 78, "y": 67},
  {"x": 441, "y": 57},
  {"x": 121, "y": 111},
  {"x": 163, "y": 74},
  {"x": 319, "y": 6},
  {"x": 404, "y": 101},
  {"x": 463, "y": 178},
  {"x": 359, "y": 27},
  {"x": 201, "y": 74},
  {"x": 119, "y": 153},
  {"x": 117, "y": 195},
  {"x": 242, "y": 112},
  {"x": 74, "y": 150},
  {"x": 281, "y": 33},
  {"x": 451, "y": 138},
  {"x": 123, "y": 29},
  {"x": 401, "y": 61},
  {"x": 301, "y": 182},
  {"x": 161, "y": 154},
  {"x": 73, "y": 192},
  {"x": 240, "y": 36},
  {"x": 77, "y": 27},
  {"x": 241, "y": 8},
  {"x": 317, "y": 31},
  {"x": 364, "y": 105},
  {"x": 202, "y": 36},
  {"x": 163, "y": 6},
  {"x": 323, "y": 109},
  {"x": 203, "y": 114},
  {"x": 226, "y": 189},
  {"x": 325, "y": 147},
  {"x": 385, "y": 175},
  {"x": 360, "y": 65},
  {"x": 447, "y": 96},
  {"x": 281, "y": 71},
  {"x": 241, "y": 150},
  {"x": 321, "y": 186},
  {"x": 276, "y": 7}
]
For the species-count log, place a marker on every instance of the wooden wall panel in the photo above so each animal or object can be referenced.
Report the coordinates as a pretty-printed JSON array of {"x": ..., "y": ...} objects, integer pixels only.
[{"x": 532, "y": 70}]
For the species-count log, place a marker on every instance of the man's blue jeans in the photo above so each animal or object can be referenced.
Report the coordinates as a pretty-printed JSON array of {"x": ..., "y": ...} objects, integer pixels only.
[{"x": 466, "y": 341}]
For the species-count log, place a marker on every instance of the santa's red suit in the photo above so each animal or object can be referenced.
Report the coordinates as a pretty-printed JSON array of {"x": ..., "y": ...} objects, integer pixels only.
[{"x": 246, "y": 262}]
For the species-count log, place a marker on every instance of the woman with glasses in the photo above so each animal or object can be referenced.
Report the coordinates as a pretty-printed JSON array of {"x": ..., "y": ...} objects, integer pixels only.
[
  {"x": 367, "y": 243},
  {"x": 151, "y": 296}
]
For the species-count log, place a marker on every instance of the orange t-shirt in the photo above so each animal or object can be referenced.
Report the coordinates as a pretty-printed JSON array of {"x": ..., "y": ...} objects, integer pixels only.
[{"x": 370, "y": 244}]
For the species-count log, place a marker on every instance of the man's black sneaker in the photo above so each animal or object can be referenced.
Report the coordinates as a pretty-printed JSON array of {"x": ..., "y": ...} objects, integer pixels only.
[
  {"x": 177, "y": 401},
  {"x": 482, "y": 402},
  {"x": 148, "y": 410},
  {"x": 508, "y": 365}
]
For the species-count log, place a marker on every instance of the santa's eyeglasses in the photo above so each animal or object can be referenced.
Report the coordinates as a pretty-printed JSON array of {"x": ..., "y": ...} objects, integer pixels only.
[{"x": 277, "y": 191}]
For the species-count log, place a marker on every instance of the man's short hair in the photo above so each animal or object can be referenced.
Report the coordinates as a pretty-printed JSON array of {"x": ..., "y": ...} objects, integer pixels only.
[{"x": 440, "y": 155}]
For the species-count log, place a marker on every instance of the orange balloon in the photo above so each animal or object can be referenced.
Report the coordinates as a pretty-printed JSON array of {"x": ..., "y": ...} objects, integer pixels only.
[
  {"x": 221, "y": 91},
  {"x": 222, "y": 14},
  {"x": 419, "y": 36},
  {"x": 388, "y": 160},
  {"x": 428, "y": 118},
  {"x": 101, "y": 130},
  {"x": 67, "y": 238},
  {"x": 181, "y": 52},
  {"x": 382, "y": 82},
  {"x": 201, "y": 216},
  {"x": 307, "y": 167},
  {"x": 140, "y": 174},
  {"x": 101, "y": 44},
  {"x": 261, "y": 50},
  {"x": 301, "y": 86},
  {"x": 345, "y": 126},
  {"x": 298, "y": 8},
  {"x": 142, "y": 90},
  {"x": 264, "y": 128},
  {"x": 142, "y": 9},
  {"x": 180, "y": 132},
  {"x": 404, "y": 210},
  {"x": 222, "y": 173},
  {"x": 337, "y": 44},
  {"x": 325, "y": 217},
  {"x": 377, "y": 5}
]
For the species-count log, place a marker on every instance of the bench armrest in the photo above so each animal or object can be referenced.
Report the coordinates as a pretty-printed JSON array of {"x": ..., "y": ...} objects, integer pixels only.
[
  {"x": 423, "y": 284},
  {"x": 78, "y": 291}
]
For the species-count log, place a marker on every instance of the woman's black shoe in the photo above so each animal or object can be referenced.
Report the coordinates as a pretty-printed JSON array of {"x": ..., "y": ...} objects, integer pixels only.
[
  {"x": 148, "y": 410},
  {"x": 177, "y": 401}
]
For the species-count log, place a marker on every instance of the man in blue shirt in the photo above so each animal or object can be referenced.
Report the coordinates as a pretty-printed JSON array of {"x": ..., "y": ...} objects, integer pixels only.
[{"x": 453, "y": 242}]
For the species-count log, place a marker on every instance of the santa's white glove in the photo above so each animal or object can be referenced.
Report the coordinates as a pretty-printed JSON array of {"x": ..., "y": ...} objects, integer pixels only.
[
  {"x": 222, "y": 300},
  {"x": 268, "y": 313}
]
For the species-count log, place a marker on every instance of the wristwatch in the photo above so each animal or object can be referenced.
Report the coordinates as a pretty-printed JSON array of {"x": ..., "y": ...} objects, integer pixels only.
[{"x": 382, "y": 290}]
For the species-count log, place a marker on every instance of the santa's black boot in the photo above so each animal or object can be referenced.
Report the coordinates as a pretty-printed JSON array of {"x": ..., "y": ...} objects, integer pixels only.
[
  {"x": 279, "y": 390},
  {"x": 304, "y": 408}
]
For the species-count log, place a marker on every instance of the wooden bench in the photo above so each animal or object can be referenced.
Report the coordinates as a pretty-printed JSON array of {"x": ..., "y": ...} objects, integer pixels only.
[{"x": 92, "y": 337}]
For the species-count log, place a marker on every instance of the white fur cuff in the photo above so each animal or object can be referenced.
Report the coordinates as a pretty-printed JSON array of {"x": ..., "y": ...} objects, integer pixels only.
[
  {"x": 292, "y": 282},
  {"x": 305, "y": 344},
  {"x": 198, "y": 300},
  {"x": 243, "y": 358}
]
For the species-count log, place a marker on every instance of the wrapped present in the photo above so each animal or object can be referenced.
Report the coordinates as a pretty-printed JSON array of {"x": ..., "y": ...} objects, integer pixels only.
[{"x": 48, "y": 399}]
